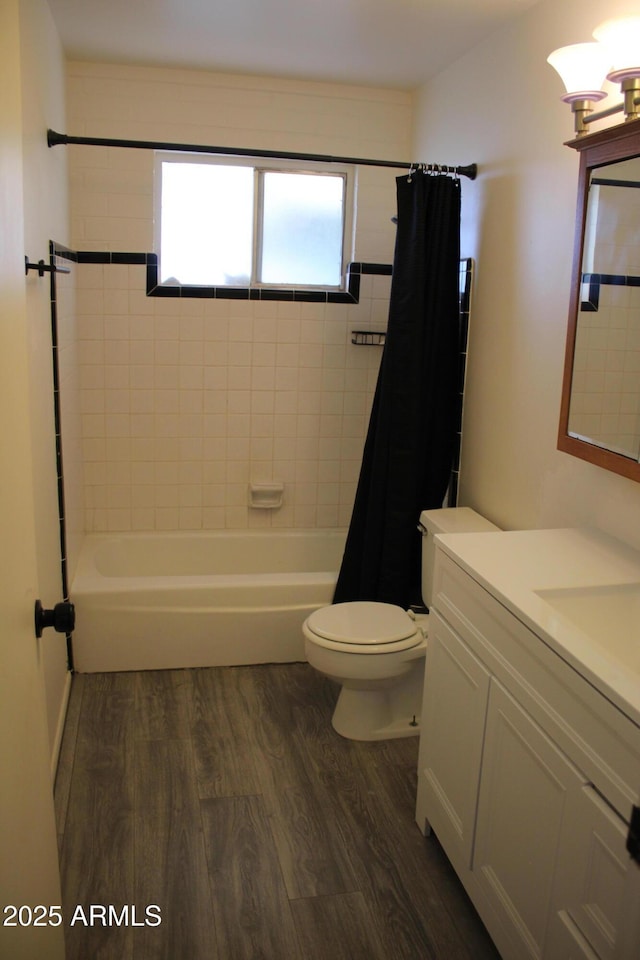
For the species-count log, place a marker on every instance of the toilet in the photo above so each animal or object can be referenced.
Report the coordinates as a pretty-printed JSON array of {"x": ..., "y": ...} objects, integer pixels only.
[{"x": 376, "y": 651}]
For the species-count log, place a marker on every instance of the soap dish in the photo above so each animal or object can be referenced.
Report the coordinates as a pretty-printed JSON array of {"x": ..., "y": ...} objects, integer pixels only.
[{"x": 267, "y": 495}]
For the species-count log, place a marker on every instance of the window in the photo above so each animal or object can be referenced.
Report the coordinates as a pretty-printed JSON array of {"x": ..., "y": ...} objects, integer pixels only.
[{"x": 225, "y": 221}]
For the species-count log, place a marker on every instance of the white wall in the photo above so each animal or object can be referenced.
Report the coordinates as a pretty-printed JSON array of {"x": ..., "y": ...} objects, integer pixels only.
[
  {"x": 28, "y": 860},
  {"x": 500, "y": 106},
  {"x": 45, "y": 217},
  {"x": 184, "y": 402}
]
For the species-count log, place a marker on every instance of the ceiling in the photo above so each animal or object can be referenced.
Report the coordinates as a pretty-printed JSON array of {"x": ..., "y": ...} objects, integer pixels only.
[{"x": 389, "y": 43}]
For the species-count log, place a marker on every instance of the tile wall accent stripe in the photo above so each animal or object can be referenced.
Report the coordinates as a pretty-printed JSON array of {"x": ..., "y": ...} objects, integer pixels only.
[
  {"x": 58, "y": 252},
  {"x": 466, "y": 282},
  {"x": 596, "y": 280},
  {"x": 155, "y": 289}
]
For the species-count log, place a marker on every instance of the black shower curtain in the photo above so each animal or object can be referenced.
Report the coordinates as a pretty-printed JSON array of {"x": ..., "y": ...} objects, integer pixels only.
[{"x": 414, "y": 419}]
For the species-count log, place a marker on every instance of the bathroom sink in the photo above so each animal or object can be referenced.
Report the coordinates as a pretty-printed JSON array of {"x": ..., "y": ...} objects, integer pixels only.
[{"x": 608, "y": 615}]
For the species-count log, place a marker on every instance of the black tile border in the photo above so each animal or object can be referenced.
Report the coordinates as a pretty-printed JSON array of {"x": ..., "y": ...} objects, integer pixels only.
[
  {"x": 65, "y": 253},
  {"x": 612, "y": 182},
  {"x": 596, "y": 280},
  {"x": 58, "y": 251},
  {"x": 104, "y": 256},
  {"x": 377, "y": 269},
  {"x": 465, "y": 286},
  {"x": 591, "y": 303},
  {"x": 284, "y": 294},
  {"x": 292, "y": 294}
]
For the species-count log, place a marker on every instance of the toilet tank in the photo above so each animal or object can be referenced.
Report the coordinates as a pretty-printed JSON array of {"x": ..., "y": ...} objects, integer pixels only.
[{"x": 446, "y": 520}]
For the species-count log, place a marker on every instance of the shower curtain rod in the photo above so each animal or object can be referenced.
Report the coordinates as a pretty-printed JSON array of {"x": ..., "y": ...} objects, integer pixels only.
[{"x": 54, "y": 139}]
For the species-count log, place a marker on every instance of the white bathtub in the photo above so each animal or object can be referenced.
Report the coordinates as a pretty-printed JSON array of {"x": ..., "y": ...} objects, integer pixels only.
[{"x": 169, "y": 600}]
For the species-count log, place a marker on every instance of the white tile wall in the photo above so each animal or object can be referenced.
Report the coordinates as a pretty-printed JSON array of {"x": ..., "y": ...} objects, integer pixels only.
[
  {"x": 605, "y": 404},
  {"x": 183, "y": 402}
]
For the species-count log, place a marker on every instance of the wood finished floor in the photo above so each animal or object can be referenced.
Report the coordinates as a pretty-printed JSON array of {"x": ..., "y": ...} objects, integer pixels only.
[{"x": 225, "y": 797}]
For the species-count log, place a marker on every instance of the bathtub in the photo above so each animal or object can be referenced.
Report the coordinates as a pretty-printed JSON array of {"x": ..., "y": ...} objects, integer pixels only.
[{"x": 149, "y": 601}]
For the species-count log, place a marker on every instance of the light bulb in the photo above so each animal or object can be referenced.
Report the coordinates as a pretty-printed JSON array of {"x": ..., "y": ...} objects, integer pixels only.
[
  {"x": 582, "y": 68},
  {"x": 621, "y": 40}
]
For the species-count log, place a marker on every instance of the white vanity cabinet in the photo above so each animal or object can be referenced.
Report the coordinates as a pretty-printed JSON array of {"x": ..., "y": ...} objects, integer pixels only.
[{"x": 527, "y": 775}]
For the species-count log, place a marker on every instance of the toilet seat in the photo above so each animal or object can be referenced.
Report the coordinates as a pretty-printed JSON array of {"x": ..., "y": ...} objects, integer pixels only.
[{"x": 363, "y": 627}]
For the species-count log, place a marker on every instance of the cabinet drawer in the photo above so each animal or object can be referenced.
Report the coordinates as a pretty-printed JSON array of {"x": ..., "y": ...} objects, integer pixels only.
[{"x": 599, "y": 739}]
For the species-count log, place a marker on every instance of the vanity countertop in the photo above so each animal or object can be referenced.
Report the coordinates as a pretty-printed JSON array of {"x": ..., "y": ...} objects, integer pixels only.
[{"x": 577, "y": 589}]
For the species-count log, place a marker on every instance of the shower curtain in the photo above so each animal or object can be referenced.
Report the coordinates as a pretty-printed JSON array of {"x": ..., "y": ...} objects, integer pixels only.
[{"x": 415, "y": 414}]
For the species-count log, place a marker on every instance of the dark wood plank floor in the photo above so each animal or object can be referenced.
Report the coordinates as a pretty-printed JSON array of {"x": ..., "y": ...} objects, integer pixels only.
[{"x": 225, "y": 797}]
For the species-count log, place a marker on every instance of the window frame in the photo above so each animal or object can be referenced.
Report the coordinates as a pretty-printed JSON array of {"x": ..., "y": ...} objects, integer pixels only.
[{"x": 261, "y": 166}]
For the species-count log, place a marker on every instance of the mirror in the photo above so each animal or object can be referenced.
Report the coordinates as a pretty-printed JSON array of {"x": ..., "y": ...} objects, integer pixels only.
[{"x": 600, "y": 413}]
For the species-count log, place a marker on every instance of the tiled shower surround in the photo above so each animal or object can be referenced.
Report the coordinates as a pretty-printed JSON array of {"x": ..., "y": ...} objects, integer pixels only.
[
  {"x": 605, "y": 404},
  {"x": 183, "y": 402}
]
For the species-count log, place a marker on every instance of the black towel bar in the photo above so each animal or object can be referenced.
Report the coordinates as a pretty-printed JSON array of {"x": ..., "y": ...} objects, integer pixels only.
[{"x": 43, "y": 267}]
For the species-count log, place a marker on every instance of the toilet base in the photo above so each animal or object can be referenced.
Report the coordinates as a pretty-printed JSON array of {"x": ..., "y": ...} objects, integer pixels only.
[{"x": 383, "y": 713}]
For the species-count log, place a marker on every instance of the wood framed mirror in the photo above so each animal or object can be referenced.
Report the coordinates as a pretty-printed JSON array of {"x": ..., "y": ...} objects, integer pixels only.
[{"x": 600, "y": 411}]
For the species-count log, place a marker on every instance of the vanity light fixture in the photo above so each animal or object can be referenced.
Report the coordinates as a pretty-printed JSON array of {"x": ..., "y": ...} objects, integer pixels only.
[
  {"x": 615, "y": 54},
  {"x": 621, "y": 40},
  {"x": 582, "y": 67}
]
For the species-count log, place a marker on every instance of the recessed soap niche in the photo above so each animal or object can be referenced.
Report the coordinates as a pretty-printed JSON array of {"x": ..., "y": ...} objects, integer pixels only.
[{"x": 266, "y": 495}]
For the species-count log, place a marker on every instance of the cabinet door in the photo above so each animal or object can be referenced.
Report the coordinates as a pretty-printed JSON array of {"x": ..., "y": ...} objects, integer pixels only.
[
  {"x": 453, "y": 715},
  {"x": 525, "y": 784},
  {"x": 598, "y": 885}
]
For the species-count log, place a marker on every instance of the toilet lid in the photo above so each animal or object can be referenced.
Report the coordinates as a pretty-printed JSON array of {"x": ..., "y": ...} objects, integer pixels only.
[{"x": 363, "y": 622}]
